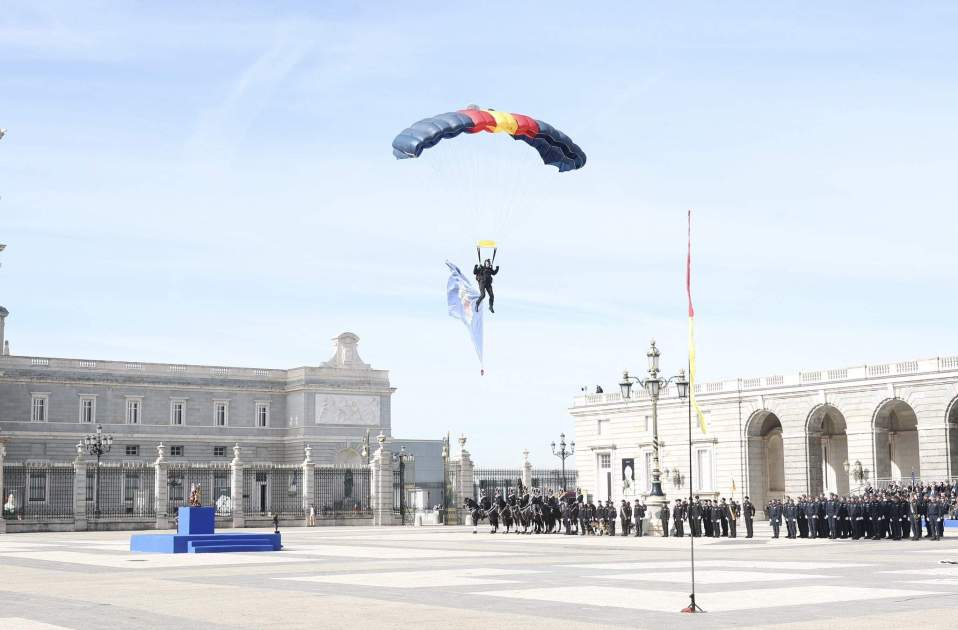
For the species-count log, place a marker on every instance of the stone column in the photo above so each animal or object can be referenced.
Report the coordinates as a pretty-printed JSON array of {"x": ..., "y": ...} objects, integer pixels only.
[
  {"x": 79, "y": 491},
  {"x": 795, "y": 453},
  {"x": 3, "y": 499},
  {"x": 932, "y": 451},
  {"x": 526, "y": 469},
  {"x": 161, "y": 488},
  {"x": 309, "y": 482},
  {"x": 381, "y": 484},
  {"x": 236, "y": 487}
]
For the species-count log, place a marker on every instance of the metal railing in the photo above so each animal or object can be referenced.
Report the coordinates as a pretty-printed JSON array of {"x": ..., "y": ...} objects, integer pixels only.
[
  {"x": 551, "y": 480},
  {"x": 123, "y": 491},
  {"x": 38, "y": 493},
  {"x": 274, "y": 491},
  {"x": 213, "y": 481},
  {"x": 490, "y": 480},
  {"x": 342, "y": 492}
]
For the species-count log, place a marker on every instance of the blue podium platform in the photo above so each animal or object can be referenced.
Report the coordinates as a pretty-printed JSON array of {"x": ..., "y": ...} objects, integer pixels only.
[{"x": 195, "y": 534}]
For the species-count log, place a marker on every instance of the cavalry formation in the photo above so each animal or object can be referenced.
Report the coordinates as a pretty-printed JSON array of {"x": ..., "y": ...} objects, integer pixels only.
[{"x": 528, "y": 512}]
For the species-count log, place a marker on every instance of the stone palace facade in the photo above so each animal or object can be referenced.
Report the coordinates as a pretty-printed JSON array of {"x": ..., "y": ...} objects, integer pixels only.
[{"x": 818, "y": 431}]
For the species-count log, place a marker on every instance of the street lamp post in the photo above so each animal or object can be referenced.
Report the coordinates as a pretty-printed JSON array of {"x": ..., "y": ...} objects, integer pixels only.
[
  {"x": 402, "y": 457},
  {"x": 563, "y": 453},
  {"x": 653, "y": 385},
  {"x": 97, "y": 444}
]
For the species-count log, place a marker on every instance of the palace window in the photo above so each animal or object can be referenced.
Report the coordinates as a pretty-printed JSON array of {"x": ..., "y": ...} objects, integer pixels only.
[
  {"x": 87, "y": 409},
  {"x": 219, "y": 451},
  {"x": 177, "y": 412},
  {"x": 132, "y": 450},
  {"x": 176, "y": 451},
  {"x": 38, "y": 486},
  {"x": 262, "y": 414},
  {"x": 601, "y": 427},
  {"x": 39, "y": 406},
  {"x": 134, "y": 409},
  {"x": 605, "y": 460},
  {"x": 221, "y": 413},
  {"x": 703, "y": 469}
]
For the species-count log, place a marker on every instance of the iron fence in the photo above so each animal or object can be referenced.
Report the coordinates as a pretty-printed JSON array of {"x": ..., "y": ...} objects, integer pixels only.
[
  {"x": 551, "y": 480},
  {"x": 35, "y": 493},
  {"x": 342, "y": 492},
  {"x": 212, "y": 480},
  {"x": 273, "y": 491},
  {"x": 488, "y": 481},
  {"x": 120, "y": 492}
]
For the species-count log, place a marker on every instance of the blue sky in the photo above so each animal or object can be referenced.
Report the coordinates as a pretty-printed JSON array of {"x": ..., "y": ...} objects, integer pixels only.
[{"x": 212, "y": 183}]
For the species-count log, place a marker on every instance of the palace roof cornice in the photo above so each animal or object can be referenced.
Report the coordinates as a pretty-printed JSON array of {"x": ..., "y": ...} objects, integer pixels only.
[{"x": 902, "y": 371}]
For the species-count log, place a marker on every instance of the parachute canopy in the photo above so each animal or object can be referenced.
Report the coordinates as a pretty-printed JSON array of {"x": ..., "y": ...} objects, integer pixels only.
[{"x": 555, "y": 148}]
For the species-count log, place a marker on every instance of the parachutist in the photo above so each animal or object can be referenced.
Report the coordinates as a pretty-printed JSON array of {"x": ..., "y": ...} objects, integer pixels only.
[{"x": 484, "y": 275}]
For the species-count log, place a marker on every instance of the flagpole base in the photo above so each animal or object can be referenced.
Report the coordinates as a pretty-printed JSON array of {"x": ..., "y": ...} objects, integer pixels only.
[{"x": 692, "y": 607}]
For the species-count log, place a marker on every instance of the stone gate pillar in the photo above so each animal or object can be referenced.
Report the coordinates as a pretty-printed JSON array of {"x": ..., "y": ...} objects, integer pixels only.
[
  {"x": 3, "y": 499},
  {"x": 161, "y": 488},
  {"x": 526, "y": 469},
  {"x": 381, "y": 484},
  {"x": 236, "y": 487},
  {"x": 79, "y": 491},
  {"x": 309, "y": 482},
  {"x": 464, "y": 477}
]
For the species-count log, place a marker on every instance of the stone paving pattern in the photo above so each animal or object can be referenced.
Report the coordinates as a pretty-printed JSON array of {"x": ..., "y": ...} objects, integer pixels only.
[{"x": 449, "y": 577}]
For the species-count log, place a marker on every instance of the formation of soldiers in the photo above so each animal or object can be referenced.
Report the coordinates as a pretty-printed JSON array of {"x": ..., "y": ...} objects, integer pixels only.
[{"x": 896, "y": 513}]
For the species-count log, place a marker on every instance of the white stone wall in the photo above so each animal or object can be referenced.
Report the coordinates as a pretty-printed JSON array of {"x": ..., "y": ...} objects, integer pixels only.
[{"x": 606, "y": 424}]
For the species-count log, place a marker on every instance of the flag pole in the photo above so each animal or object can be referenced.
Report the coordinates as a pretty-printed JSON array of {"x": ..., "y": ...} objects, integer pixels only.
[{"x": 692, "y": 607}]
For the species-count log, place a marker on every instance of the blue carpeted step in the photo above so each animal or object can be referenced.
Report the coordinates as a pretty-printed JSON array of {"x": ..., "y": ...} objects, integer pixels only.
[{"x": 228, "y": 548}]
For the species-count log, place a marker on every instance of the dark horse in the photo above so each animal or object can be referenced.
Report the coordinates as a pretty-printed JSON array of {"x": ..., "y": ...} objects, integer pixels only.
[{"x": 475, "y": 511}]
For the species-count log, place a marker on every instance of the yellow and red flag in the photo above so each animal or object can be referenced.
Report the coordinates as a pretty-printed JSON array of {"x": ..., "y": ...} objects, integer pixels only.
[{"x": 688, "y": 291}]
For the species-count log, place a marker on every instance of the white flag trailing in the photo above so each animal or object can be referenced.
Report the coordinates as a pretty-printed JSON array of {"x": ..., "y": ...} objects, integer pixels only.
[{"x": 461, "y": 296}]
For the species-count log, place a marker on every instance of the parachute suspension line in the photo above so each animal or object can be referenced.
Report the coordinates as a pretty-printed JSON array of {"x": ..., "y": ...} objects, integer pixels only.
[{"x": 494, "y": 251}]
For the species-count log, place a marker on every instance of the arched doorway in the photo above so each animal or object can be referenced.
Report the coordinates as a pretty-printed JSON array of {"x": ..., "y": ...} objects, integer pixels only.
[
  {"x": 349, "y": 458},
  {"x": 896, "y": 441},
  {"x": 827, "y": 451},
  {"x": 766, "y": 458}
]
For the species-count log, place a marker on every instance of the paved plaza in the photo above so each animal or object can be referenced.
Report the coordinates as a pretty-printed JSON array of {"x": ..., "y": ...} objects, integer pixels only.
[{"x": 448, "y": 577}]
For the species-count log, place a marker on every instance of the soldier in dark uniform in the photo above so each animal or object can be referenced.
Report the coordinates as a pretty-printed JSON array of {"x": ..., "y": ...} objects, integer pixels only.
[
  {"x": 894, "y": 519},
  {"x": 831, "y": 513},
  {"x": 610, "y": 517},
  {"x": 775, "y": 516},
  {"x": 822, "y": 518},
  {"x": 625, "y": 517},
  {"x": 584, "y": 517},
  {"x": 811, "y": 515},
  {"x": 914, "y": 517},
  {"x": 707, "y": 518},
  {"x": 638, "y": 513},
  {"x": 723, "y": 518},
  {"x": 790, "y": 513},
  {"x": 932, "y": 515},
  {"x": 733, "y": 512},
  {"x": 716, "y": 516},
  {"x": 802, "y": 519},
  {"x": 844, "y": 523},
  {"x": 691, "y": 513},
  {"x": 678, "y": 518},
  {"x": 664, "y": 518},
  {"x": 748, "y": 513}
]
